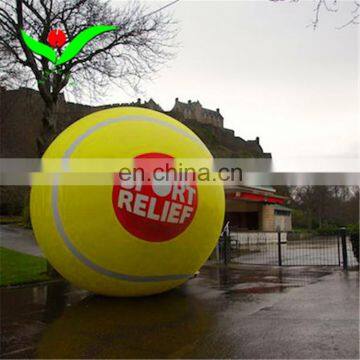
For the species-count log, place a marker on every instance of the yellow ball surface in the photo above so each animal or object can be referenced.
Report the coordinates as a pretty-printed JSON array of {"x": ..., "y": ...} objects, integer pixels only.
[{"x": 117, "y": 237}]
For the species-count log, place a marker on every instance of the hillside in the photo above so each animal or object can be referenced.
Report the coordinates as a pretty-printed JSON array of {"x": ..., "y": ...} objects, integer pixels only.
[
  {"x": 223, "y": 143},
  {"x": 20, "y": 125}
]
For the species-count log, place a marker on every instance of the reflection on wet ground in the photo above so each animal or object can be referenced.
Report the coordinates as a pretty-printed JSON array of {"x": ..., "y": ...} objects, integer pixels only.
[{"x": 226, "y": 312}]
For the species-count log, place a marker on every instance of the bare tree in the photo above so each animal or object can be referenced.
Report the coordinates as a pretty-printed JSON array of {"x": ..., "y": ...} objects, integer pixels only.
[
  {"x": 123, "y": 57},
  {"x": 331, "y": 6}
]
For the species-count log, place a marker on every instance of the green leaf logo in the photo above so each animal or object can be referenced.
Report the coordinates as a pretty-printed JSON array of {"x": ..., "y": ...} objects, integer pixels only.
[
  {"x": 72, "y": 49},
  {"x": 80, "y": 40},
  {"x": 39, "y": 48}
]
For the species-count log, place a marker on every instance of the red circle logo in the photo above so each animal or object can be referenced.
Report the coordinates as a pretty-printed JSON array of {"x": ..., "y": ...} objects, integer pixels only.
[
  {"x": 154, "y": 202},
  {"x": 56, "y": 38}
]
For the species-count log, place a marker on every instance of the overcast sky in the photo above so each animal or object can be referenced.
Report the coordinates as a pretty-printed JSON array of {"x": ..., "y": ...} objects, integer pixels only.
[{"x": 270, "y": 74}]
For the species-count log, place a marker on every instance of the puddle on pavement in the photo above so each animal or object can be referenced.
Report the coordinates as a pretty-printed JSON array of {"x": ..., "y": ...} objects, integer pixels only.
[
  {"x": 57, "y": 320},
  {"x": 260, "y": 287},
  {"x": 261, "y": 280}
]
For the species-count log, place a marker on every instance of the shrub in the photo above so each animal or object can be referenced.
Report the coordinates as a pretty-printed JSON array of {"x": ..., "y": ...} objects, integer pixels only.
[{"x": 328, "y": 230}]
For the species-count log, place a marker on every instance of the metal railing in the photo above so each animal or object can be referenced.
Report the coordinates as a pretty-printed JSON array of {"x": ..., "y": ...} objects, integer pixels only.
[{"x": 273, "y": 248}]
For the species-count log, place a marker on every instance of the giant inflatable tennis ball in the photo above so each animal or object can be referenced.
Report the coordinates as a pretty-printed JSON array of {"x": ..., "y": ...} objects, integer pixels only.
[{"x": 127, "y": 235}]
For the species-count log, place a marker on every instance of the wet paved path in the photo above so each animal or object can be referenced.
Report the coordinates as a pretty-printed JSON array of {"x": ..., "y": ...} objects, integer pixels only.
[
  {"x": 247, "y": 312},
  {"x": 17, "y": 238}
]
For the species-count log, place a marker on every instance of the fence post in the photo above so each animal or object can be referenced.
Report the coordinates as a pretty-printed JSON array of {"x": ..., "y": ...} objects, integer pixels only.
[
  {"x": 338, "y": 248},
  {"x": 217, "y": 250},
  {"x": 279, "y": 248},
  {"x": 51, "y": 271},
  {"x": 226, "y": 248},
  {"x": 344, "y": 247}
]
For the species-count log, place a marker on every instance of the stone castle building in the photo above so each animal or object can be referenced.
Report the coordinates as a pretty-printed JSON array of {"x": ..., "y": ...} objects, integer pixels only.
[
  {"x": 190, "y": 111},
  {"x": 193, "y": 110}
]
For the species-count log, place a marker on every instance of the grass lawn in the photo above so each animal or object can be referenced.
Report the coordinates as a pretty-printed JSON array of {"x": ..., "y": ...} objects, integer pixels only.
[
  {"x": 18, "y": 268},
  {"x": 10, "y": 219}
]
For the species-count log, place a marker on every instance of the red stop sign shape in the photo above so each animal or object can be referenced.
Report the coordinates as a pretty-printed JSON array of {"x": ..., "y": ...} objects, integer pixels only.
[{"x": 155, "y": 203}]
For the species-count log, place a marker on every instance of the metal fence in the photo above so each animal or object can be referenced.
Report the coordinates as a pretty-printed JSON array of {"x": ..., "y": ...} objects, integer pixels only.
[{"x": 275, "y": 249}]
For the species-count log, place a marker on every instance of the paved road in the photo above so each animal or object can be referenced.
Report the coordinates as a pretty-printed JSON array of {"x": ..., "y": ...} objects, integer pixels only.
[
  {"x": 17, "y": 238},
  {"x": 234, "y": 312}
]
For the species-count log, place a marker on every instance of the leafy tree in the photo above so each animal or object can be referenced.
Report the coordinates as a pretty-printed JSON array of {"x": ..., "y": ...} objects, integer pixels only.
[
  {"x": 327, "y": 206},
  {"x": 123, "y": 57}
]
